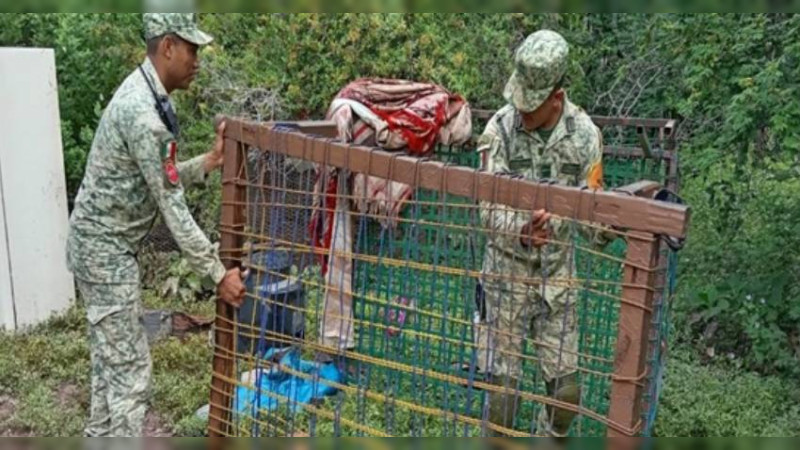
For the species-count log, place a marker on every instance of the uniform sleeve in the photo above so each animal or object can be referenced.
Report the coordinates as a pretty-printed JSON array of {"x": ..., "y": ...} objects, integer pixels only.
[
  {"x": 593, "y": 166},
  {"x": 145, "y": 143},
  {"x": 504, "y": 222},
  {"x": 592, "y": 175},
  {"x": 192, "y": 171}
]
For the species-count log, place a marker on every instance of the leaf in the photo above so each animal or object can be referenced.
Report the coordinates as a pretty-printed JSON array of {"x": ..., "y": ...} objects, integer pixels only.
[
  {"x": 186, "y": 295},
  {"x": 170, "y": 287},
  {"x": 194, "y": 283}
]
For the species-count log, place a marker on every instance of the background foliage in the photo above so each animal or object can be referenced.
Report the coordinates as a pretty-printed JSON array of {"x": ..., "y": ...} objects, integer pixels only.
[{"x": 730, "y": 78}]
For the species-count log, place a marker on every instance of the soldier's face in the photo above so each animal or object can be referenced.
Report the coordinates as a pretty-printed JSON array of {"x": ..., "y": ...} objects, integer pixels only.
[
  {"x": 547, "y": 113},
  {"x": 184, "y": 63}
]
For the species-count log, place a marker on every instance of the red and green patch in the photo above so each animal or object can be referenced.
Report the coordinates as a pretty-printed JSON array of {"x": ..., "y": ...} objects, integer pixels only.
[{"x": 169, "y": 153}]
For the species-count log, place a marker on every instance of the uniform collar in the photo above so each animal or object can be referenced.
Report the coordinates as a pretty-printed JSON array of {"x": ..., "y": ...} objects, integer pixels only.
[
  {"x": 566, "y": 124},
  {"x": 150, "y": 71},
  {"x": 564, "y": 128}
]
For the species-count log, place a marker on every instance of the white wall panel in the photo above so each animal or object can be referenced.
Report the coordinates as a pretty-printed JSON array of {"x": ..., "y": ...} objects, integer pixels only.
[{"x": 33, "y": 189}]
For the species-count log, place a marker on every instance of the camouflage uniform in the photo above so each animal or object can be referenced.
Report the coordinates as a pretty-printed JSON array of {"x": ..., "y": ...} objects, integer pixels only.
[
  {"x": 129, "y": 179},
  {"x": 570, "y": 155}
]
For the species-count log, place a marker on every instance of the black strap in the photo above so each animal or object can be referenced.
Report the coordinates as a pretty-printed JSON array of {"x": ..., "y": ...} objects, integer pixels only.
[
  {"x": 666, "y": 195},
  {"x": 163, "y": 108},
  {"x": 506, "y": 139}
]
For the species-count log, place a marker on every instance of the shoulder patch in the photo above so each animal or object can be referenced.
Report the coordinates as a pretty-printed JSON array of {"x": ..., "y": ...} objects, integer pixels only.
[
  {"x": 169, "y": 154},
  {"x": 171, "y": 173},
  {"x": 169, "y": 149},
  {"x": 570, "y": 124}
]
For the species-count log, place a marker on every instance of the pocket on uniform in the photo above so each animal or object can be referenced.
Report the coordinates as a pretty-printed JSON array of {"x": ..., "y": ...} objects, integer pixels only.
[
  {"x": 103, "y": 300},
  {"x": 520, "y": 164},
  {"x": 96, "y": 314},
  {"x": 560, "y": 300},
  {"x": 118, "y": 337},
  {"x": 569, "y": 174}
]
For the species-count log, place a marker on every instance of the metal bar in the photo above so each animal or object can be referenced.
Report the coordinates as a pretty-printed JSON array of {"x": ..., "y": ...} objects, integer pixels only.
[
  {"x": 325, "y": 128},
  {"x": 648, "y": 189},
  {"x": 644, "y": 141},
  {"x": 644, "y": 189},
  {"x": 602, "y": 121},
  {"x": 601, "y": 207},
  {"x": 635, "y": 152},
  {"x": 606, "y": 121},
  {"x": 233, "y": 215},
  {"x": 673, "y": 179},
  {"x": 667, "y": 135},
  {"x": 633, "y": 336}
]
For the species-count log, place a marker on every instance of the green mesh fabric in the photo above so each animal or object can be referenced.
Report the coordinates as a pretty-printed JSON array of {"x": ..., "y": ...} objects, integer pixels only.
[
  {"x": 422, "y": 379},
  {"x": 426, "y": 238}
]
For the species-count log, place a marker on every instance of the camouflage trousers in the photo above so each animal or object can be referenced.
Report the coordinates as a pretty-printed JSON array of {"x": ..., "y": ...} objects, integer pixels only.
[
  {"x": 121, "y": 365},
  {"x": 544, "y": 313}
]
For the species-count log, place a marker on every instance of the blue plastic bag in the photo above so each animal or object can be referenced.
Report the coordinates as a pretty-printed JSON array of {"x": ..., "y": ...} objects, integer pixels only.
[{"x": 276, "y": 380}]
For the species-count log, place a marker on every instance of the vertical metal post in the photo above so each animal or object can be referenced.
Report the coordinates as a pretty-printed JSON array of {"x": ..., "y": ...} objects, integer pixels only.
[
  {"x": 232, "y": 225},
  {"x": 633, "y": 336}
]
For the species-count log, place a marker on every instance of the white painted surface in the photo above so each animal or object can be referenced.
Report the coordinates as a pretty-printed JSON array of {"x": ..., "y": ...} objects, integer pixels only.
[
  {"x": 7, "y": 315},
  {"x": 36, "y": 284}
]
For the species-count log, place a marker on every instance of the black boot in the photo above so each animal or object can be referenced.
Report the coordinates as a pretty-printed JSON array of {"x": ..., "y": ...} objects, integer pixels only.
[
  {"x": 502, "y": 406},
  {"x": 565, "y": 389}
]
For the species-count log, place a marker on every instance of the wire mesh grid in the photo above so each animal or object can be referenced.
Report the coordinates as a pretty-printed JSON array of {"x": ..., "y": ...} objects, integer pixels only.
[{"x": 402, "y": 357}]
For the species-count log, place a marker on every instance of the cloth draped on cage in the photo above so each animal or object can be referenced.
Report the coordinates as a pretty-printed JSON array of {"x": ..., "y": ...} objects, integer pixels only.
[{"x": 395, "y": 115}]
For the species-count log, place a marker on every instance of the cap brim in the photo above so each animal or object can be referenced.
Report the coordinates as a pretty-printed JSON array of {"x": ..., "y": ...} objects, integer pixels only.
[
  {"x": 522, "y": 98},
  {"x": 196, "y": 37}
]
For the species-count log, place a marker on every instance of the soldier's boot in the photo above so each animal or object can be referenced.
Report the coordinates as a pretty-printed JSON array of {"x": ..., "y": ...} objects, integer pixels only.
[
  {"x": 557, "y": 421},
  {"x": 502, "y": 405}
]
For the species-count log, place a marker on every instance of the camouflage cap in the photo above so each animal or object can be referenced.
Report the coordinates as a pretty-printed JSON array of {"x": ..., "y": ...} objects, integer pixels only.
[
  {"x": 184, "y": 25},
  {"x": 539, "y": 64}
]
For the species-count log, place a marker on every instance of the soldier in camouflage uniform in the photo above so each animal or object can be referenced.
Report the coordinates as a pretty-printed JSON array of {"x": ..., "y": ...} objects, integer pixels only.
[
  {"x": 132, "y": 175},
  {"x": 539, "y": 135}
]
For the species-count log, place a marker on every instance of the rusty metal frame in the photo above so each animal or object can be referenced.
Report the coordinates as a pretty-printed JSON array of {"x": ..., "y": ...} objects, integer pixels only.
[
  {"x": 608, "y": 208},
  {"x": 668, "y": 154},
  {"x": 628, "y": 208},
  {"x": 633, "y": 336},
  {"x": 233, "y": 222}
]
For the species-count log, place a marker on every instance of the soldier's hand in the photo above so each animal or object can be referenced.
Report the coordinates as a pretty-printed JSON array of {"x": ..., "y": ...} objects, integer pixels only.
[
  {"x": 231, "y": 289},
  {"x": 534, "y": 233},
  {"x": 216, "y": 156}
]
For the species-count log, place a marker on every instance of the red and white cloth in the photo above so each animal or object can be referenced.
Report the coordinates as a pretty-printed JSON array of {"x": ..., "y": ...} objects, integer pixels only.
[{"x": 394, "y": 115}]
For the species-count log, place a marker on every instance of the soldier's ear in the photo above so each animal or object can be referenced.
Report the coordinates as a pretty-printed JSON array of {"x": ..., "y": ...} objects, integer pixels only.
[
  {"x": 168, "y": 45},
  {"x": 559, "y": 95}
]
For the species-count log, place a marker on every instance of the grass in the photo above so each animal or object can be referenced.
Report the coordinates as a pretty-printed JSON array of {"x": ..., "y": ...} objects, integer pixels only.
[
  {"x": 698, "y": 400},
  {"x": 44, "y": 379},
  {"x": 44, "y": 376},
  {"x": 721, "y": 401}
]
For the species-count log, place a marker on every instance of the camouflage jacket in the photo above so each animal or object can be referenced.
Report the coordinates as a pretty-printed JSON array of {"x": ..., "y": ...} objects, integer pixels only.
[
  {"x": 571, "y": 156},
  {"x": 127, "y": 183}
]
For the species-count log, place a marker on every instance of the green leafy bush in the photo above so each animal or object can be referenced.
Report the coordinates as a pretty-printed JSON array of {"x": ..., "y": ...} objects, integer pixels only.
[
  {"x": 729, "y": 78},
  {"x": 703, "y": 401}
]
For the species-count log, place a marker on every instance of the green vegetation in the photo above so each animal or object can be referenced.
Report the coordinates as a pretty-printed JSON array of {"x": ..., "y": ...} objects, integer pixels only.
[
  {"x": 731, "y": 79},
  {"x": 45, "y": 378},
  {"x": 45, "y": 385}
]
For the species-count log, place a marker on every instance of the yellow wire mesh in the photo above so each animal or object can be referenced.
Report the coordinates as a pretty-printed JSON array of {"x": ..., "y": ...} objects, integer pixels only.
[{"x": 424, "y": 315}]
